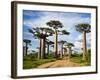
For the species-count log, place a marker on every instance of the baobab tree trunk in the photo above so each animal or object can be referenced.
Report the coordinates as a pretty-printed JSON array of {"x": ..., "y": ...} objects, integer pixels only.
[
  {"x": 55, "y": 43},
  {"x": 69, "y": 52},
  {"x": 48, "y": 49},
  {"x": 84, "y": 46},
  {"x": 61, "y": 51},
  {"x": 39, "y": 53},
  {"x": 26, "y": 48},
  {"x": 43, "y": 48},
  {"x": 24, "y": 51}
]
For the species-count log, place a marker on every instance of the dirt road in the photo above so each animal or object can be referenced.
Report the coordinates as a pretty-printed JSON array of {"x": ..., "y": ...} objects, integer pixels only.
[{"x": 59, "y": 63}]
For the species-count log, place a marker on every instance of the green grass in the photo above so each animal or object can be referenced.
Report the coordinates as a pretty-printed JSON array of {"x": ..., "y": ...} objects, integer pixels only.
[
  {"x": 28, "y": 64},
  {"x": 78, "y": 59},
  {"x": 31, "y": 61}
]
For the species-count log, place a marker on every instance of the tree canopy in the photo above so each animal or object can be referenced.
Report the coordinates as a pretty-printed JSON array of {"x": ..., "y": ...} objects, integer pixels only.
[
  {"x": 27, "y": 41},
  {"x": 69, "y": 45},
  {"x": 55, "y": 24},
  {"x": 41, "y": 32},
  {"x": 83, "y": 27}
]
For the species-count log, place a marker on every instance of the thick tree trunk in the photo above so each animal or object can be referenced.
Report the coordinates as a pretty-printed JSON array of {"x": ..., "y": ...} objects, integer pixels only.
[
  {"x": 65, "y": 52},
  {"x": 55, "y": 43},
  {"x": 69, "y": 52},
  {"x": 61, "y": 51},
  {"x": 84, "y": 46},
  {"x": 39, "y": 53},
  {"x": 48, "y": 49},
  {"x": 43, "y": 48},
  {"x": 26, "y": 49}
]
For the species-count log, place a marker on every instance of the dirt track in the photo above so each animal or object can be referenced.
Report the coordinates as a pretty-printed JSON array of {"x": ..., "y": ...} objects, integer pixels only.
[{"x": 59, "y": 63}]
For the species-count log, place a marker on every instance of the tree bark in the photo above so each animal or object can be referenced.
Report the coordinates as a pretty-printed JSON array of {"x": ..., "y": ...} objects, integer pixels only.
[
  {"x": 48, "y": 49},
  {"x": 69, "y": 52},
  {"x": 84, "y": 46},
  {"x": 26, "y": 49},
  {"x": 61, "y": 51},
  {"x": 43, "y": 48},
  {"x": 55, "y": 43},
  {"x": 39, "y": 53}
]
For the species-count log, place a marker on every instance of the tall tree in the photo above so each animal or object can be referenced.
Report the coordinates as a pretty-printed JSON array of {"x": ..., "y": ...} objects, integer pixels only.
[
  {"x": 55, "y": 25},
  {"x": 84, "y": 28},
  {"x": 41, "y": 33},
  {"x": 53, "y": 48},
  {"x": 65, "y": 51},
  {"x": 39, "y": 52},
  {"x": 48, "y": 42},
  {"x": 27, "y": 42},
  {"x": 69, "y": 46},
  {"x": 62, "y": 43}
]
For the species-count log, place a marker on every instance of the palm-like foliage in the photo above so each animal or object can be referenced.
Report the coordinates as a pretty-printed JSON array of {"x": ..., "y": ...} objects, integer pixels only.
[
  {"x": 84, "y": 28},
  {"x": 41, "y": 32},
  {"x": 27, "y": 42},
  {"x": 69, "y": 45},
  {"x": 64, "y": 32},
  {"x": 55, "y": 24}
]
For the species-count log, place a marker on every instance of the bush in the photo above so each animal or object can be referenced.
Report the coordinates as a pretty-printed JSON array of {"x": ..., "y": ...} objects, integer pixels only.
[
  {"x": 50, "y": 56},
  {"x": 26, "y": 58}
]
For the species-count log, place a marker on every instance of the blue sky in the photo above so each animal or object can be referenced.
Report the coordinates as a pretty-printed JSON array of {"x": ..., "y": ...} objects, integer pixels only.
[{"x": 33, "y": 18}]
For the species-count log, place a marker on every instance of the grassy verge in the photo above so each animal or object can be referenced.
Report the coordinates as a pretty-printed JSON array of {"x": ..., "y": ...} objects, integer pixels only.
[
  {"x": 28, "y": 64},
  {"x": 78, "y": 59}
]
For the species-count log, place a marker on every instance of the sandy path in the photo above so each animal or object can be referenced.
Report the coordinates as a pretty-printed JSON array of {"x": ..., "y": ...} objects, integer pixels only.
[{"x": 59, "y": 63}]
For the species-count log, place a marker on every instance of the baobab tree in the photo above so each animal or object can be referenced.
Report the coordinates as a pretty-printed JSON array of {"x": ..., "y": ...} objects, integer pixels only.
[
  {"x": 39, "y": 52},
  {"x": 62, "y": 42},
  {"x": 52, "y": 47},
  {"x": 41, "y": 33},
  {"x": 84, "y": 28},
  {"x": 27, "y": 42},
  {"x": 48, "y": 42},
  {"x": 65, "y": 51},
  {"x": 69, "y": 46},
  {"x": 55, "y": 25}
]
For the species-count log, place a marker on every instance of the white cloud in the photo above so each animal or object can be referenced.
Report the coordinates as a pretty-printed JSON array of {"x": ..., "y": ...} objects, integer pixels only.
[
  {"x": 79, "y": 42},
  {"x": 68, "y": 20}
]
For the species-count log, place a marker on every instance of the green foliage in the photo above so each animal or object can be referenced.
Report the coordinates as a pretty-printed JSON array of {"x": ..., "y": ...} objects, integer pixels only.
[
  {"x": 83, "y": 27},
  {"x": 89, "y": 57},
  {"x": 77, "y": 58},
  {"x": 55, "y": 24},
  {"x": 75, "y": 55},
  {"x": 38, "y": 32},
  {"x": 34, "y": 64},
  {"x": 31, "y": 61},
  {"x": 65, "y": 32},
  {"x": 27, "y": 41},
  {"x": 62, "y": 42},
  {"x": 27, "y": 58},
  {"x": 69, "y": 45},
  {"x": 50, "y": 56}
]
